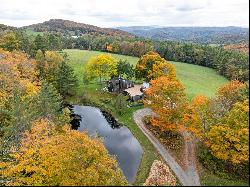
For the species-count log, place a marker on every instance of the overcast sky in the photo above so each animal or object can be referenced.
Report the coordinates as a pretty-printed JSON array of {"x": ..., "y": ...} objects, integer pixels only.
[{"x": 112, "y": 13}]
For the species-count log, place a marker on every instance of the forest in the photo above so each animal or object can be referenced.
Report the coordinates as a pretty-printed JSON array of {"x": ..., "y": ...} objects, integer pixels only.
[{"x": 40, "y": 78}]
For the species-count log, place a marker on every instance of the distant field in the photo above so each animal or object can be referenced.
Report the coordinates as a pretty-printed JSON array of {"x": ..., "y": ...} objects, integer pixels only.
[
  {"x": 30, "y": 32},
  {"x": 196, "y": 79}
]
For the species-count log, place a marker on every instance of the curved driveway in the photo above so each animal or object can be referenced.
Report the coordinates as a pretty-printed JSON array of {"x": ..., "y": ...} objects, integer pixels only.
[{"x": 189, "y": 177}]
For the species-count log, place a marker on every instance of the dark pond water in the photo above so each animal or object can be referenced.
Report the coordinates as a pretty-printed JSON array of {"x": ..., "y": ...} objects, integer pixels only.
[{"x": 118, "y": 140}]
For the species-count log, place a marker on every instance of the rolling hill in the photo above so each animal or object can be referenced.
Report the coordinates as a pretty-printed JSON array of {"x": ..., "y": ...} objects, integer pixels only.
[
  {"x": 202, "y": 35},
  {"x": 67, "y": 27}
]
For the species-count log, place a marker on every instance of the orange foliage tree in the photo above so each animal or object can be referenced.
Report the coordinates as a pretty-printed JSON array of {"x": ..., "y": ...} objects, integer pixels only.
[
  {"x": 151, "y": 66},
  {"x": 228, "y": 94},
  {"x": 52, "y": 156},
  {"x": 166, "y": 97}
]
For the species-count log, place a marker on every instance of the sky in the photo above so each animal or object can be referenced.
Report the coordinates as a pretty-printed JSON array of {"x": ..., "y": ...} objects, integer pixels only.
[{"x": 114, "y": 13}]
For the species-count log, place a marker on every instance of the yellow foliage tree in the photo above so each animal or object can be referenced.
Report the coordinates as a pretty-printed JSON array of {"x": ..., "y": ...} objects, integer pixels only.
[
  {"x": 102, "y": 66},
  {"x": 51, "y": 156},
  {"x": 229, "y": 140},
  {"x": 17, "y": 71},
  {"x": 51, "y": 65},
  {"x": 9, "y": 41}
]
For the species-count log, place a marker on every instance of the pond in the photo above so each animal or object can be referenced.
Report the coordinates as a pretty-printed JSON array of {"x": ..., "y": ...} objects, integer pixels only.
[{"x": 118, "y": 139}]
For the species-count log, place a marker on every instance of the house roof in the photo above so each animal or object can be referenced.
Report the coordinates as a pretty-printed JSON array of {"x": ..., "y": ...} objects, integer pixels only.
[{"x": 133, "y": 91}]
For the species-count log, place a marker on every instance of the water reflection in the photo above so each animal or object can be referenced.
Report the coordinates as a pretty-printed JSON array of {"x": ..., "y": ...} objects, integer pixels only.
[{"x": 118, "y": 139}]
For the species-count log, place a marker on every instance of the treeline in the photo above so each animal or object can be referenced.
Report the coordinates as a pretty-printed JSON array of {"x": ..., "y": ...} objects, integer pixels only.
[
  {"x": 30, "y": 44},
  {"x": 231, "y": 64}
]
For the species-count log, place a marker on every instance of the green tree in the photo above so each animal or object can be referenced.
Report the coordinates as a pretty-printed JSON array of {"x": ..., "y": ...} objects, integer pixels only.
[
  {"x": 41, "y": 43},
  {"x": 120, "y": 103},
  {"x": 40, "y": 58},
  {"x": 124, "y": 68},
  {"x": 48, "y": 102},
  {"x": 66, "y": 80}
]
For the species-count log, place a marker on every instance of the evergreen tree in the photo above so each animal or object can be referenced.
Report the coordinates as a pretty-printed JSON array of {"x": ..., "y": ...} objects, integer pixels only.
[
  {"x": 66, "y": 81},
  {"x": 40, "y": 63},
  {"x": 41, "y": 43},
  {"x": 120, "y": 103},
  {"x": 48, "y": 102}
]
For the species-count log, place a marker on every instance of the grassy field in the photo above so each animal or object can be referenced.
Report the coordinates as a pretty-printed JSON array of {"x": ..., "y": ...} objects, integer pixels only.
[
  {"x": 196, "y": 79},
  {"x": 30, "y": 32}
]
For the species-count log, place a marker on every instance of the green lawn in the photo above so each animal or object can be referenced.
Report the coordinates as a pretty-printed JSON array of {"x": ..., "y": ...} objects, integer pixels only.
[{"x": 196, "y": 79}]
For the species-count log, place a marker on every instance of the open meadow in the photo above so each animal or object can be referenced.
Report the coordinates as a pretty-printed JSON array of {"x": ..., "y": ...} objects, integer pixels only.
[{"x": 197, "y": 80}]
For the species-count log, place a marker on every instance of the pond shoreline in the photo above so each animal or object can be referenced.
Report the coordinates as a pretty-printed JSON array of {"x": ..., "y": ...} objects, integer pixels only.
[{"x": 117, "y": 138}]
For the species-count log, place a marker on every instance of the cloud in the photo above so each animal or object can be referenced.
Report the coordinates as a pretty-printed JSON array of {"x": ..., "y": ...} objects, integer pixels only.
[{"x": 110, "y": 13}]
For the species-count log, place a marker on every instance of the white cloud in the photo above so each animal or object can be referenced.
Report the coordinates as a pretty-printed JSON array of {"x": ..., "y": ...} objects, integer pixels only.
[{"x": 109, "y": 13}]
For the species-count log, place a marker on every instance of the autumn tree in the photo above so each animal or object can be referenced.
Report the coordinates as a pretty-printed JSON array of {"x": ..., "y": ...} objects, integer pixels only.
[
  {"x": 48, "y": 156},
  {"x": 151, "y": 66},
  {"x": 222, "y": 122},
  {"x": 167, "y": 98},
  {"x": 228, "y": 94},
  {"x": 102, "y": 66},
  {"x": 53, "y": 61},
  {"x": 19, "y": 83},
  {"x": 23, "y": 97},
  {"x": 229, "y": 139},
  {"x": 9, "y": 41}
]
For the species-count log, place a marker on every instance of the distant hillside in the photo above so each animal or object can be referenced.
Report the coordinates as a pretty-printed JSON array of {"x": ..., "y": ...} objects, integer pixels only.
[
  {"x": 202, "y": 35},
  {"x": 73, "y": 28}
]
